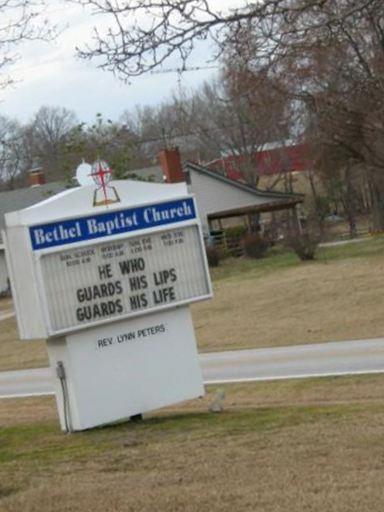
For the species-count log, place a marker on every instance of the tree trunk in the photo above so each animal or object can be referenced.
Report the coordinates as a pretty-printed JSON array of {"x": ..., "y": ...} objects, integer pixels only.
[
  {"x": 316, "y": 203},
  {"x": 375, "y": 200},
  {"x": 350, "y": 204},
  {"x": 377, "y": 207}
]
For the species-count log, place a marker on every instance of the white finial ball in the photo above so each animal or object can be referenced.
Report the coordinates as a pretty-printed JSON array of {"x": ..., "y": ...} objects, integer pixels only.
[{"x": 83, "y": 174}]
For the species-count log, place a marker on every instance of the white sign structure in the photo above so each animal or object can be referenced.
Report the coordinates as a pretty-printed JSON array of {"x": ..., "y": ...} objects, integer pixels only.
[{"x": 108, "y": 286}]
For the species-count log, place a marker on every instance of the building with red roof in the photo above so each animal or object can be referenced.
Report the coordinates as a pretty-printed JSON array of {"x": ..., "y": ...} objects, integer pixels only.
[{"x": 274, "y": 158}]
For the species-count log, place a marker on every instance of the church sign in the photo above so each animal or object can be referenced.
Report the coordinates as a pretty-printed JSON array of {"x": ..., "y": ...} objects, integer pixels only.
[{"x": 106, "y": 276}]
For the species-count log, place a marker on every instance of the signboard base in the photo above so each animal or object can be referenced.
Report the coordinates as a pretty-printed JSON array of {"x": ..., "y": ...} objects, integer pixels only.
[{"x": 112, "y": 372}]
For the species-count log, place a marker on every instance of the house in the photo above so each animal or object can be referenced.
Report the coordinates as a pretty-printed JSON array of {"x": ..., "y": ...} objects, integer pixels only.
[
  {"x": 18, "y": 199},
  {"x": 274, "y": 158},
  {"x": 219, "y": 199}
]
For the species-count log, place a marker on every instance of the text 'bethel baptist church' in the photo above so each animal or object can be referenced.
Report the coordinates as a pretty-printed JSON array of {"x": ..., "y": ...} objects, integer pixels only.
[{"x": 111, "y": 223}]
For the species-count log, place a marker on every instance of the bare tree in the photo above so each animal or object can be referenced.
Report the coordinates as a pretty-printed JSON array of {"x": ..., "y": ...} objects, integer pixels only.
[
  {"x": 145, "y": 34},
  {"x": 327, "y": 54},
  {"x": 341, "y": 81},
  {"x": 105, "y": 139},
  {"x": 331, "y": 59},
  {"x": 19, "y": 22},
  {"x": 236, "y": 117},
  {"x": 46, "y": 136},
  {"x": 156, "y": 127},
  {"x": 12, "y": 154}
]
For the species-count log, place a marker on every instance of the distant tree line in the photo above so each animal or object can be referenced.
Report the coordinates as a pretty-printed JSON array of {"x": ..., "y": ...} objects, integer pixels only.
[{"x": 289, "y": 69}]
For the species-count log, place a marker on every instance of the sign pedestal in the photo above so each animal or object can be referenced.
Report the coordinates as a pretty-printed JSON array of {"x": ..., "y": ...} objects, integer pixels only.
[{"x": 126, "y": 368}]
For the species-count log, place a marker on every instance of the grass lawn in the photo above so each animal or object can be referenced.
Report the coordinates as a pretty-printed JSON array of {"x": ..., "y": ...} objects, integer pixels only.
[
  {"x": 275, "y": 301},
  {"x": 283, "y": 446},
  {"x": 6, "y": 305},
  {"x": 16, "y": 354},
  {"x": 281, "y": 301}
]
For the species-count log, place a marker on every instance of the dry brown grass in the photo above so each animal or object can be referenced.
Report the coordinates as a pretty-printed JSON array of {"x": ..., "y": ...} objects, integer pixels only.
[
  {"x": 16, "y": 354},
  {"x": 272, "y": 302},
  {"x": 307, "y": 303},
  {"x": 16, "y": 412},
  {"x": 6, "y": 305},
  {"x": 256, "y": 456}
]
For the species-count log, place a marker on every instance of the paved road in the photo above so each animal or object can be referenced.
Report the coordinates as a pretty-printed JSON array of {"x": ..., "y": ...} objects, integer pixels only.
[
  {"x": 26, "y": 383},
  {"x": 301, "y": 361}
]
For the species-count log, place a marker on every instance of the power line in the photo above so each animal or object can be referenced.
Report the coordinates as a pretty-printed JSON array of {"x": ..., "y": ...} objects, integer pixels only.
[{"x": 181, "y": 70}]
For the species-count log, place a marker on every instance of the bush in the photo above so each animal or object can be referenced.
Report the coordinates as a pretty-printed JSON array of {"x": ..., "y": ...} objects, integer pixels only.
[
  {"x": 303, "y": 244},
  {"x": 234, "y": 236},
  {"x": 235, "y": 231},
  {"x": 255, "y": 246},
  {"x": 213, "y": 255}
]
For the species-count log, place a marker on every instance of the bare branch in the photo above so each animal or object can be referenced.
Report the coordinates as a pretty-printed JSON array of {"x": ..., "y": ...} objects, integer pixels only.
[
  {"x": 19, "y": 22},
  {"x": 144, "y": 34}
]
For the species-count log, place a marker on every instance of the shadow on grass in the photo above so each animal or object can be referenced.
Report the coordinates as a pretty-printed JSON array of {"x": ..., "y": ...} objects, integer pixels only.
[
  {"x": 249, "y": 420},
  {"x": 44, "y": 444}
]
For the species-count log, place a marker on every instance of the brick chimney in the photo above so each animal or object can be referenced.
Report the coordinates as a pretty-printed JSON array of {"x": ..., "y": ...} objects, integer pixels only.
[
  {"x": 36, "y": 177},
  {"x": 170, "y": 162}
]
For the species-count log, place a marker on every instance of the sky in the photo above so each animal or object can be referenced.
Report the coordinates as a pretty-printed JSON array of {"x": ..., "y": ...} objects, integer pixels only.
[{"x": 51, "y": 74}]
